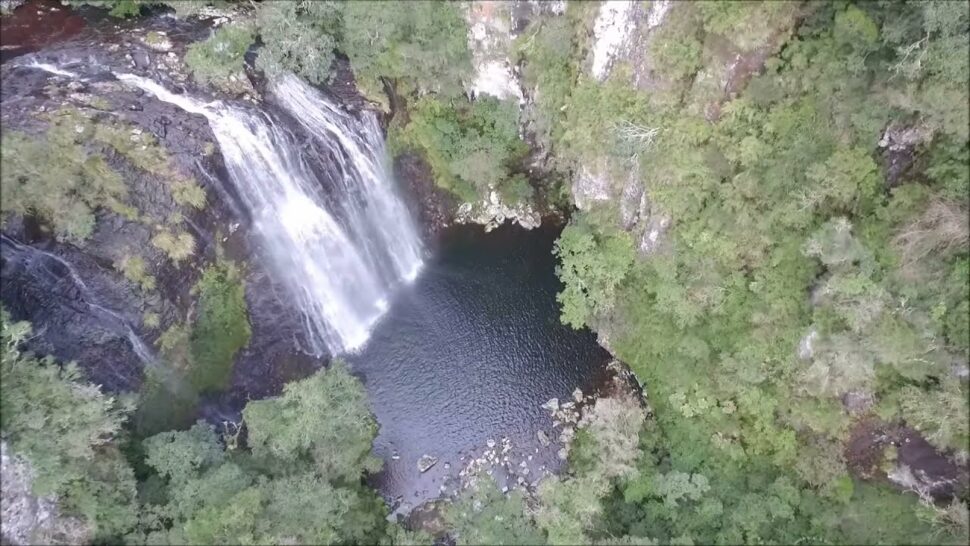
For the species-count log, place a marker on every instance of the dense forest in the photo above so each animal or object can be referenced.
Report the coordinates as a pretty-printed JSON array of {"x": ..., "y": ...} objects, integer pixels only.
[{"x": 789, "y": 283}]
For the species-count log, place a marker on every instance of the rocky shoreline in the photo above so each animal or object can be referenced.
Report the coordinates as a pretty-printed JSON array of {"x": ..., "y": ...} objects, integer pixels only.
[{"x": 514, "y": 468}]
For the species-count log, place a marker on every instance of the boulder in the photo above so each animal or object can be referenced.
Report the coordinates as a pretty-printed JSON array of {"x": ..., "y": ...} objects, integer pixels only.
[
  {"x": 578, "y": 395},
  {"x": 552, "y": 405}
]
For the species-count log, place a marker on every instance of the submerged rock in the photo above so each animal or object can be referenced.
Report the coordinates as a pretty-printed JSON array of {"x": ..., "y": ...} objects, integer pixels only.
[
  {"x": 543, "y": 438},
  {"x": 426, "y": 462},
  {"x": 552, "y": 405}
]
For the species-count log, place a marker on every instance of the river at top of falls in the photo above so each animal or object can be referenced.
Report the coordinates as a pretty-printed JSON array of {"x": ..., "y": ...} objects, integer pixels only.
[{"x": 341, "y": 253}]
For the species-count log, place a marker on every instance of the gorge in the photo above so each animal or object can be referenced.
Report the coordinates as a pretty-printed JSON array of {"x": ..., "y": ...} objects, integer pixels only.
[
  {"x": 470, "y": 346},
  {"x": 488, "y": 272}
]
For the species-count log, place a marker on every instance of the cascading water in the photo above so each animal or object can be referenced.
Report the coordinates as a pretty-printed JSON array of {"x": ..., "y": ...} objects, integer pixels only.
[
  {"x": 340, "y": 272},
  {"x": 376, "y": 217}
]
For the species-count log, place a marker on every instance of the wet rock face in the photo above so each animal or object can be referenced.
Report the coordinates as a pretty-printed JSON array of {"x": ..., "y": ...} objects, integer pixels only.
[
  {"x": 432, "y": 206},
  {"x": 915, "y": 465},
  {"x": 79, "y": 310},
  {"x": 81, "y": 306}
]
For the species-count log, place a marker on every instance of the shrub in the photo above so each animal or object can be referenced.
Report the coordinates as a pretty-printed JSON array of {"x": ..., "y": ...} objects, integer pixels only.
[
  {"x": 516, "y": 189},
  {"x": 484, "y": 515},
  {"x": 941, "y": 414},
  {"x": 300, "y": 483},
  {"x": 472, "y": 147},
  {"x": 335, "y": 431},
  {"x": 221, "y": 326},
  {"x": 549, "y": 68},
  {"x": 177, "y": 246},
  {"x": 298, "y": 37},
  {"x": 116, "y": 8},
  {"x": 593, "y": 263},
  {"x": 421, "y": 45},
  {"x": 221, "y": 55}
]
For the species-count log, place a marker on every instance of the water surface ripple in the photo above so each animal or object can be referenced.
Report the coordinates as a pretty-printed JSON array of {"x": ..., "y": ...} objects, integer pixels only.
[{"x": 469, "y": 352}]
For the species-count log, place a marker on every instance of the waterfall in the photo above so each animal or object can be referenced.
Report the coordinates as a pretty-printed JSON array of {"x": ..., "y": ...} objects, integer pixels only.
[
  {"x": 376, "y": 215},
  {"x": 340, "y": 255}
]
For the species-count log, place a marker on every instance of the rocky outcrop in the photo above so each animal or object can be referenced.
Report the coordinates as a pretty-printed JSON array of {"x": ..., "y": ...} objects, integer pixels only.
[
  {"x": 492, "y": 27},
  {"x": 492, "y": 212},
  {"x": 631, "y": 34},
  {"x": 489, "y": 39},
  {"x": 899, "y": 455},
  {"x": 614, "y": 24},
  {"x": 598, "y": 185},
  {"x": 899, "y": 145},
  {"x": 26, "y": 518}
]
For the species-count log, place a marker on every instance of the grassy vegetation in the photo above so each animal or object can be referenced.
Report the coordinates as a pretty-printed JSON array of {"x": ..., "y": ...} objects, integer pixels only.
[
  {"x": 135, "y": 270},
  {"x": 203, "y": 351},
  {"x": 65, "y": 175},
  {"x": 57, "y": 179},
  {"x": 177, "y": 245}
]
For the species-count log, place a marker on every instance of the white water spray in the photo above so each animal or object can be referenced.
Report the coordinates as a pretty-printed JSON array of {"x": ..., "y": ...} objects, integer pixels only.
[{"x": 341, "y": 257}]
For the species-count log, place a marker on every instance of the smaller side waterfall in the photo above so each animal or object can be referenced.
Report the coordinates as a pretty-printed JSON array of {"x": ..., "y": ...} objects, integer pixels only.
[
  {"x": 340, "y": 254},
  {"x": 52, "y": 268}
]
